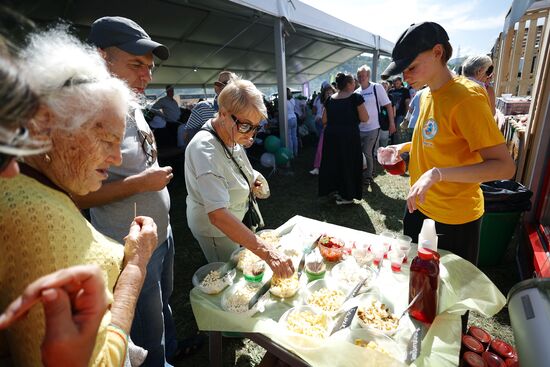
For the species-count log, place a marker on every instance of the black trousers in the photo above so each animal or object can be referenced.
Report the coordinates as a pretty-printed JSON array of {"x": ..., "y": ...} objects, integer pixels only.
[{"x": 460, "y": 239}]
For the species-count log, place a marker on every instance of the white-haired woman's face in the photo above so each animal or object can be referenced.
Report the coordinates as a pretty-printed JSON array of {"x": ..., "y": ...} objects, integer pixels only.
[{"x": 80, "y": 158}]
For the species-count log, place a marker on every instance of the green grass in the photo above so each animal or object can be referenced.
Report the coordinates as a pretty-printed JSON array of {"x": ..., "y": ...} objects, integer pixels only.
[{"x": 294, "y": 192}]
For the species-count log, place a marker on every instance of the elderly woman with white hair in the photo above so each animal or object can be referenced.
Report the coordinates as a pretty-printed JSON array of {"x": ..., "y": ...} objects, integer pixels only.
[
  {"x": 82, "y": 114},
  {"x": 219, "y": 178},
  {"x": 480, "y": 69}
]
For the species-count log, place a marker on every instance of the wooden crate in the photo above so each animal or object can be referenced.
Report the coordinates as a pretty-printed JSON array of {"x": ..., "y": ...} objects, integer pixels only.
[
  {"x": 513, "y": 106},
  {"x": 516, "y": 53}
]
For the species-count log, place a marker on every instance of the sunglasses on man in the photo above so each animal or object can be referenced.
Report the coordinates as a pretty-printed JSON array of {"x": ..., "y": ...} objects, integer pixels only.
[{"x": 245, "y": 127}]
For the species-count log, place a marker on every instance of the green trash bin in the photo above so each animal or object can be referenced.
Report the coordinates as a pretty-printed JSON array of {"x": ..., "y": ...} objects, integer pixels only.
[
  {"x": 496, "y": 232},
  {"x": 504, "y": 202}
]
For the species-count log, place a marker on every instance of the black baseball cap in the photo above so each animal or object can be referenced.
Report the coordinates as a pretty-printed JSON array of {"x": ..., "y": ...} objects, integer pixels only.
[
  {"x": 416, "y": 39},
  {"x": 125, "y": 34}
]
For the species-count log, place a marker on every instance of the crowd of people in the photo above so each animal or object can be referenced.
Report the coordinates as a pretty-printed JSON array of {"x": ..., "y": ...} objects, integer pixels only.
[{"x": 73, "y": 136}]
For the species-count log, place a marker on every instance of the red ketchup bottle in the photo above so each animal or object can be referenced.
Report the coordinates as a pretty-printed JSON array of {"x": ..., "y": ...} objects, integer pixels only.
[{"x": 424, "y": 278}]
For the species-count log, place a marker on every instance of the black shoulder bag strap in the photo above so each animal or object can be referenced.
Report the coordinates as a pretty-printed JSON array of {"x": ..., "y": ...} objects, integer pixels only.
[
  {"x": 380, "y": 113},
  {"x": 376, "y": 98}
]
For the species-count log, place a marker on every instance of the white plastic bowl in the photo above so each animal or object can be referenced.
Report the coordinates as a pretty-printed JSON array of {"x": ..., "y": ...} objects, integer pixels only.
[
  {"x": 217, "y": 286},
  {"x": 300, "y": 339},
  {"x": 350, "y": 273},
  {"x": 320, "y": 284},
  {"x": 242, "y": 307},
  {"x": 365, "y": 301},
  {"x": 383, "y": 341}
]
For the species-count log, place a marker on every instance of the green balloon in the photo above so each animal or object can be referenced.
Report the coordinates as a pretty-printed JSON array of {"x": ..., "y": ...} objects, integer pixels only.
[
  {"x": 282, "y": 156},
  {"x": 272, "y": 143}
]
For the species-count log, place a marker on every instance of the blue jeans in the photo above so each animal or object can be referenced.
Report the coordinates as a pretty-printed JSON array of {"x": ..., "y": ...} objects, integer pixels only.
[
  {"x": 153, "y": 327},
  {"x": 293, "y": 135}
]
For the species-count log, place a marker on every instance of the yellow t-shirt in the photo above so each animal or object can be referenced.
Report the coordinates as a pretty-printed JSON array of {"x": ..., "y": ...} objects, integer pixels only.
[
  {"x": 454, "y": 123},
  {"x": 42, "y": 231}
]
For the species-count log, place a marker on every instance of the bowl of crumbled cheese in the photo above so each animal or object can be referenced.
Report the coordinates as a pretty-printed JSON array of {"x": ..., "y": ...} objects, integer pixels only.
[
  {"x": 245, "y": 258},
  {"x": 270, "y": 236},
  {"x": 376, "y": 313},
  {"x": 209, "y": 280},
  {"x": 348, "y": 273},
  {"x": 325, "y": 295},
  {"x": 284, "y": 287},
  {"x": 237, "y": 297},
  {"x": 306, "y": 326}
]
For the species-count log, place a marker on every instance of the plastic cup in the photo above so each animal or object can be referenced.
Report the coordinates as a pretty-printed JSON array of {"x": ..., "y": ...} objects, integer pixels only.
[
  {"x": 396, "y": 169},
  {"x": 396, "y": 259},
  {"x": 378, "y": 250},
  {"x": 390, "y": 159},
  {"x": 388, "y": 239},
  {"x": 403, "y": 243},
  {"x": 362, "y": 256}
]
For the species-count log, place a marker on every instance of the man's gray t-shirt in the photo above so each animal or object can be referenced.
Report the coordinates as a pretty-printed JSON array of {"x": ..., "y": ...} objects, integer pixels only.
[{"x": 114, "y": 219}]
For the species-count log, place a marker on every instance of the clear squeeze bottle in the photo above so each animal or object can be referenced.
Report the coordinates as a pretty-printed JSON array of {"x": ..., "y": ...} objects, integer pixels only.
[{"x": 424, "y": 278}]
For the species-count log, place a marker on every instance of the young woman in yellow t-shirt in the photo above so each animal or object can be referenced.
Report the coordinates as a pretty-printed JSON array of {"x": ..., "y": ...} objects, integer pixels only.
[{"x": 456, "y": 144}]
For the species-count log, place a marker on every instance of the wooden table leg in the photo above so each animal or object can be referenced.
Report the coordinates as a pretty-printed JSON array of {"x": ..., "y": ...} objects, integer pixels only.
[{"x": 215, "y": 348}]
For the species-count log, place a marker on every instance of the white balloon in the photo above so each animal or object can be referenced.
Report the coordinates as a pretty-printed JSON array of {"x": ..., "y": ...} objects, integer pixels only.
[{"x": 268, "y": 159}]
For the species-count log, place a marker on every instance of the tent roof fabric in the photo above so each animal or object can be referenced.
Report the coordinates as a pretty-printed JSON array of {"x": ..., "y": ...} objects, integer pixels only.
[{"x": 207, "y": 36}]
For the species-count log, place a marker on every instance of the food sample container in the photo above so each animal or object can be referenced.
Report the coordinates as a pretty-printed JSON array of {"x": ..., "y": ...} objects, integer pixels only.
[{"x": 207, "y": 278}]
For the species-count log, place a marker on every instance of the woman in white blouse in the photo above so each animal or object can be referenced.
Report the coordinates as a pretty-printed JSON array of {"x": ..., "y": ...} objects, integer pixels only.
[{"x": 217, "y": 197}]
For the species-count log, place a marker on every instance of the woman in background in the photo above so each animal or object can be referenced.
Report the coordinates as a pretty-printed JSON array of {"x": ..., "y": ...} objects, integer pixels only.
[
  {"x": 325, "y": 94},
  {"x": 341, "y": 169},
  {"x": 292, "y": 123},
  {"x": 480, "y": 69}
]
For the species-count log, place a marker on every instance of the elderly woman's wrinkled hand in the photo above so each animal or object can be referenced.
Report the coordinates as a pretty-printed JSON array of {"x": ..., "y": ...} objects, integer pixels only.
[
  {"x": 280, "y": 264},
  {"x": 74, "y": 301},
  {"x": 141, "y": 241}
]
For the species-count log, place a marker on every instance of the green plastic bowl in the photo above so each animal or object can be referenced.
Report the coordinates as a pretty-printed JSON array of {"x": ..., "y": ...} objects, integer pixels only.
[
  {"x": 315, "y": 276},
  {"x": 253, "y": 278}
]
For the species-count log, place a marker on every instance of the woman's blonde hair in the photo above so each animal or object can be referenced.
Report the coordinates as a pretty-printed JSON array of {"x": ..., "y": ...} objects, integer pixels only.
[{"x": 240, "y": 96}]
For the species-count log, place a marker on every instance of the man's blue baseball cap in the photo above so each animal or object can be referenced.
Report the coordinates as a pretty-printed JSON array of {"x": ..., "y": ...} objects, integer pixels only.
[{"x": 125, "y": 34}]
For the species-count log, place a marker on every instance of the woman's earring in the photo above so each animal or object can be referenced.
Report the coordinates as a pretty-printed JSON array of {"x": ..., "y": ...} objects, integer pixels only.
[{"x": 47, "y": 158}]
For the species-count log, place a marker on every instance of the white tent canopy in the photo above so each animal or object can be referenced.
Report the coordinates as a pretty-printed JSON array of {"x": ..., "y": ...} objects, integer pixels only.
[
  {"x": 237, "y": 35},
  {"x": 270, "y": 42}
]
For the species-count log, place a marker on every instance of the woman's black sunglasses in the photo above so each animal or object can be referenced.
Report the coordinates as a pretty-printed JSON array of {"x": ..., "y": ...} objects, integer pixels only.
[{"x": 245, "y": 127}]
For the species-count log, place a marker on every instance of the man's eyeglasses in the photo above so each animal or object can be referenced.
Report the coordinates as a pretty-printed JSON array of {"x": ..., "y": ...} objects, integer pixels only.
[
  {"x": 489, "y": 70},
  {"x": 149, "y": 146},
  {"x": 245, "y": 127}
]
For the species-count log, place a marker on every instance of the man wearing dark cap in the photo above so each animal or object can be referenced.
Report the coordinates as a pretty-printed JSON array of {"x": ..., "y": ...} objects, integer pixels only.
[
  {"x": 139, "y": 185},
  {"x": 204, "y": 110},
  {"x": 455, "y": 146}
]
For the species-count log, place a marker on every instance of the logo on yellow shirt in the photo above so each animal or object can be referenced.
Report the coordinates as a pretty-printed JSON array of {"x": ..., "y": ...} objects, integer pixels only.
[{"x": 429, "y": 129}]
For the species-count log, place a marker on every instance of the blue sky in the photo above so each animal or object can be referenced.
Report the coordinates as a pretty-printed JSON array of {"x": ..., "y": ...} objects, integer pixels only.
[{"x": 473, "y": 25}]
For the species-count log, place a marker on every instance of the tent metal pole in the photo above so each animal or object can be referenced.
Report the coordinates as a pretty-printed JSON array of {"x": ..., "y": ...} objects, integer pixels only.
[
  {"x": 375, "y": 59},
  {"x": 280, "y": 62}
]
